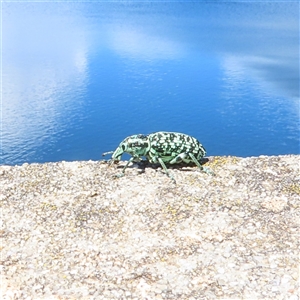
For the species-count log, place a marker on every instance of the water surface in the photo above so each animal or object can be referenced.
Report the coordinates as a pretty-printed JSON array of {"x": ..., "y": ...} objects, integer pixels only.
[{"x": 78, "y": 77}]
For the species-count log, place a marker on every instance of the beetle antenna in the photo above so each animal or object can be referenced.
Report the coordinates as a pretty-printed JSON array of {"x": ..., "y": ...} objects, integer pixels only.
[{"x": 109, "y": 152}]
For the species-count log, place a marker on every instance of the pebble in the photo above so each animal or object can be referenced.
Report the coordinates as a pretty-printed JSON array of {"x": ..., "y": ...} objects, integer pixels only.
[{"x": 69, "y": 230}]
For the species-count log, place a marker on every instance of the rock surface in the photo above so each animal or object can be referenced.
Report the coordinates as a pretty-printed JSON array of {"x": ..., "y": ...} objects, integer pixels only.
[{"x": 71, "y": 231}]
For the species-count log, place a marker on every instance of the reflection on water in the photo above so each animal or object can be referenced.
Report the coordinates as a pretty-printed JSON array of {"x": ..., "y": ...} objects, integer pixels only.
[
  {"x": 44, "y": 65},
  {"x": 79, "y": 77}
]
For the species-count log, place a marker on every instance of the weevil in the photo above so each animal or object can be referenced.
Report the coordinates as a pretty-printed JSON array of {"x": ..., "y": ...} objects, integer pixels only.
[{"x": 160, "y": 147}]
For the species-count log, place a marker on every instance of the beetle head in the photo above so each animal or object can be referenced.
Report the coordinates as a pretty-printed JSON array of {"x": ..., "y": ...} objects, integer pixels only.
[{"x": 136, "y": 145}]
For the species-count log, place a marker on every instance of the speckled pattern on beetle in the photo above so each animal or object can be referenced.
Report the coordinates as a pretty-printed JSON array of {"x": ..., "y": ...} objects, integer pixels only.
[{"x": 161, "y": 147}]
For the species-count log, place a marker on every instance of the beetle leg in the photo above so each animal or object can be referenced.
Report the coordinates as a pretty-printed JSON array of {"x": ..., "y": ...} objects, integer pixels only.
[
  {"x": 165, "y": 168},
  {"x": 179, "y": 158},
  {"x": 204, "y": 169},
  {"x": 123, "y": 170},
  {"x": 132, "y": 159}
]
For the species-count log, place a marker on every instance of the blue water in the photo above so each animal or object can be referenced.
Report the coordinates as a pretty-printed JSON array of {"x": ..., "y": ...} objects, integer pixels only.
[{"x": 79, "y": 77}]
